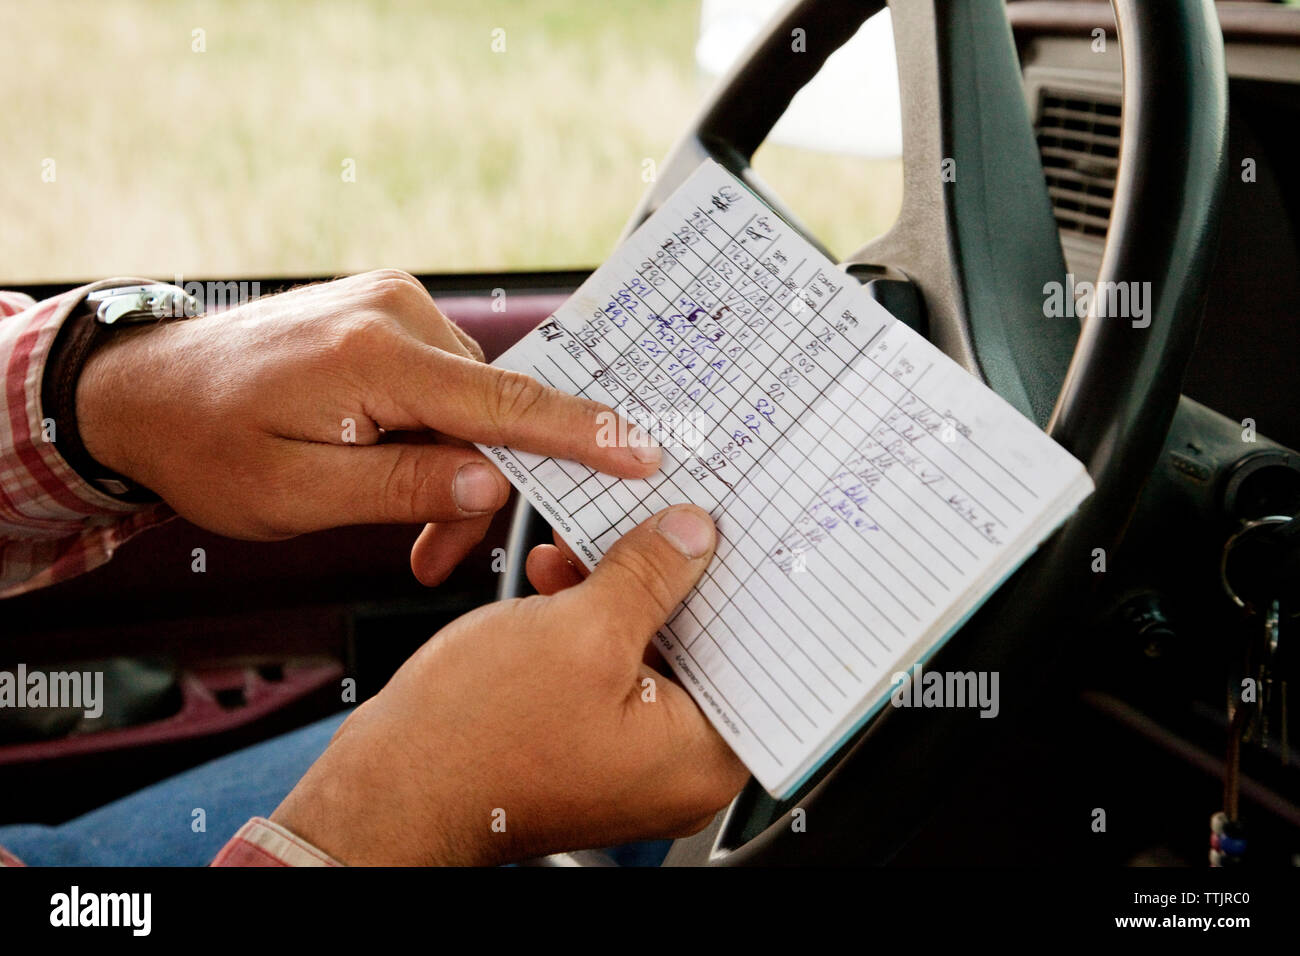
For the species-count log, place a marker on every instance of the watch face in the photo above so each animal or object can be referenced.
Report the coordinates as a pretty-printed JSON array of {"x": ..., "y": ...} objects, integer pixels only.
[{"x": 124, "y": 305}]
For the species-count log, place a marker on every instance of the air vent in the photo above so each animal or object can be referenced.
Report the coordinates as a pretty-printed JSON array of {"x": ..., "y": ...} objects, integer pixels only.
[{"x": 1078, "y": 139}]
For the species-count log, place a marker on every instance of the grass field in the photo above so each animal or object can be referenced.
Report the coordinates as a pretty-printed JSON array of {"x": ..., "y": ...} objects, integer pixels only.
[{"x": 231, "y": 161}]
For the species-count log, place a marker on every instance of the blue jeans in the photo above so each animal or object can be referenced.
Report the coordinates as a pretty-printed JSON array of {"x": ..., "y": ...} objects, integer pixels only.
[{"x": 154, "y": 826}]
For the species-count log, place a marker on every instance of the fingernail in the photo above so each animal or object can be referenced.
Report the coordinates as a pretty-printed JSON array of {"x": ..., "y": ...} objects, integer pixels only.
[
  {"x": 475, "y": 487},
  {"x": 690, "y": 532},
  {"x": 644, "y": 448}
]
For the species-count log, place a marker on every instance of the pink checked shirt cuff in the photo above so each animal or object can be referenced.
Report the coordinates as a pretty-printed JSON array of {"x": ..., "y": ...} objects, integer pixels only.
[
  {"x": 260, "y": 842},
  {"x": 53, "y": 524}
]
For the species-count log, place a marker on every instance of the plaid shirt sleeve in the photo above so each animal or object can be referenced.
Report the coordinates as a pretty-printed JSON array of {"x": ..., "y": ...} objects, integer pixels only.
[
  {"x": 53, "y": 524},
  {"x": 260, "y": 842}
]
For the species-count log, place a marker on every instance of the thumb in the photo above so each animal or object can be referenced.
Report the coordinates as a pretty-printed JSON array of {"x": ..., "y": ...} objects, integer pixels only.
[{"x": 644, "y": 577}]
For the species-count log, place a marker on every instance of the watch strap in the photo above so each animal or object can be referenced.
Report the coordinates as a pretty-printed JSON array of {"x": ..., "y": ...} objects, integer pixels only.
[{"x": 78, "y": 337}]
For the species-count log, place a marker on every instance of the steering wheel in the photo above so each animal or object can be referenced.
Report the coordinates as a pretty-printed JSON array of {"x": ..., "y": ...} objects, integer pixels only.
[{"x": 977, "y": 252}]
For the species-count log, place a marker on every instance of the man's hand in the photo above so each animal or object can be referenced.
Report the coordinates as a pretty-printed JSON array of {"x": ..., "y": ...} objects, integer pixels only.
[
  {"x": 348, "y": 402},
  {"x": 536, "y": 715}
]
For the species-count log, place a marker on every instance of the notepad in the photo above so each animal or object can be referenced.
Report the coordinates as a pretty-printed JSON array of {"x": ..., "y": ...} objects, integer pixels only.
[{"x": 869, "y": 493}]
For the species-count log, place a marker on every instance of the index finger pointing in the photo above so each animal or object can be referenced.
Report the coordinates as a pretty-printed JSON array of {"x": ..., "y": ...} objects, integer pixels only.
[{"x": 496, "y": 406}]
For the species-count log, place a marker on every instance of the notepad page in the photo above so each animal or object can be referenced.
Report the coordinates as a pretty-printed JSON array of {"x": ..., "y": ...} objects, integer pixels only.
[{"x": 868, "y": 492}]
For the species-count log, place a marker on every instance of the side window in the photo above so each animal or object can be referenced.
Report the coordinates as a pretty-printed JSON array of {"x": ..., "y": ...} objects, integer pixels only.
[{"x": 255, "y": 139}]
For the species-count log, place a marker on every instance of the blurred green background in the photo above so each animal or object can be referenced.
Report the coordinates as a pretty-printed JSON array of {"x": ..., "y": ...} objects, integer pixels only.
[{"x": 230, "y": 161}]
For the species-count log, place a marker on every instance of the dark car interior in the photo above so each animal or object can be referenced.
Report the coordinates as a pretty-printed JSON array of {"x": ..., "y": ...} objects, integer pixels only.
[{"x": 1118, "y": 165}]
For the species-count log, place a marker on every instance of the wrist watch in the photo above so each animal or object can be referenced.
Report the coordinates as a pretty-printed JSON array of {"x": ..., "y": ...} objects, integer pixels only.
[{"x": 91, "y": 322}]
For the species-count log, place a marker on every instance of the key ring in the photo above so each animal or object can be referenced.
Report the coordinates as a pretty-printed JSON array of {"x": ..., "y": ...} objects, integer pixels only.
[{"x": 1247, "y": 528}]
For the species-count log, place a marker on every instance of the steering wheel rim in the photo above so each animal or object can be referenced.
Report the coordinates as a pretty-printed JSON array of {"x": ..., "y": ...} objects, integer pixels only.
[{"x": 979, "y": 250}]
